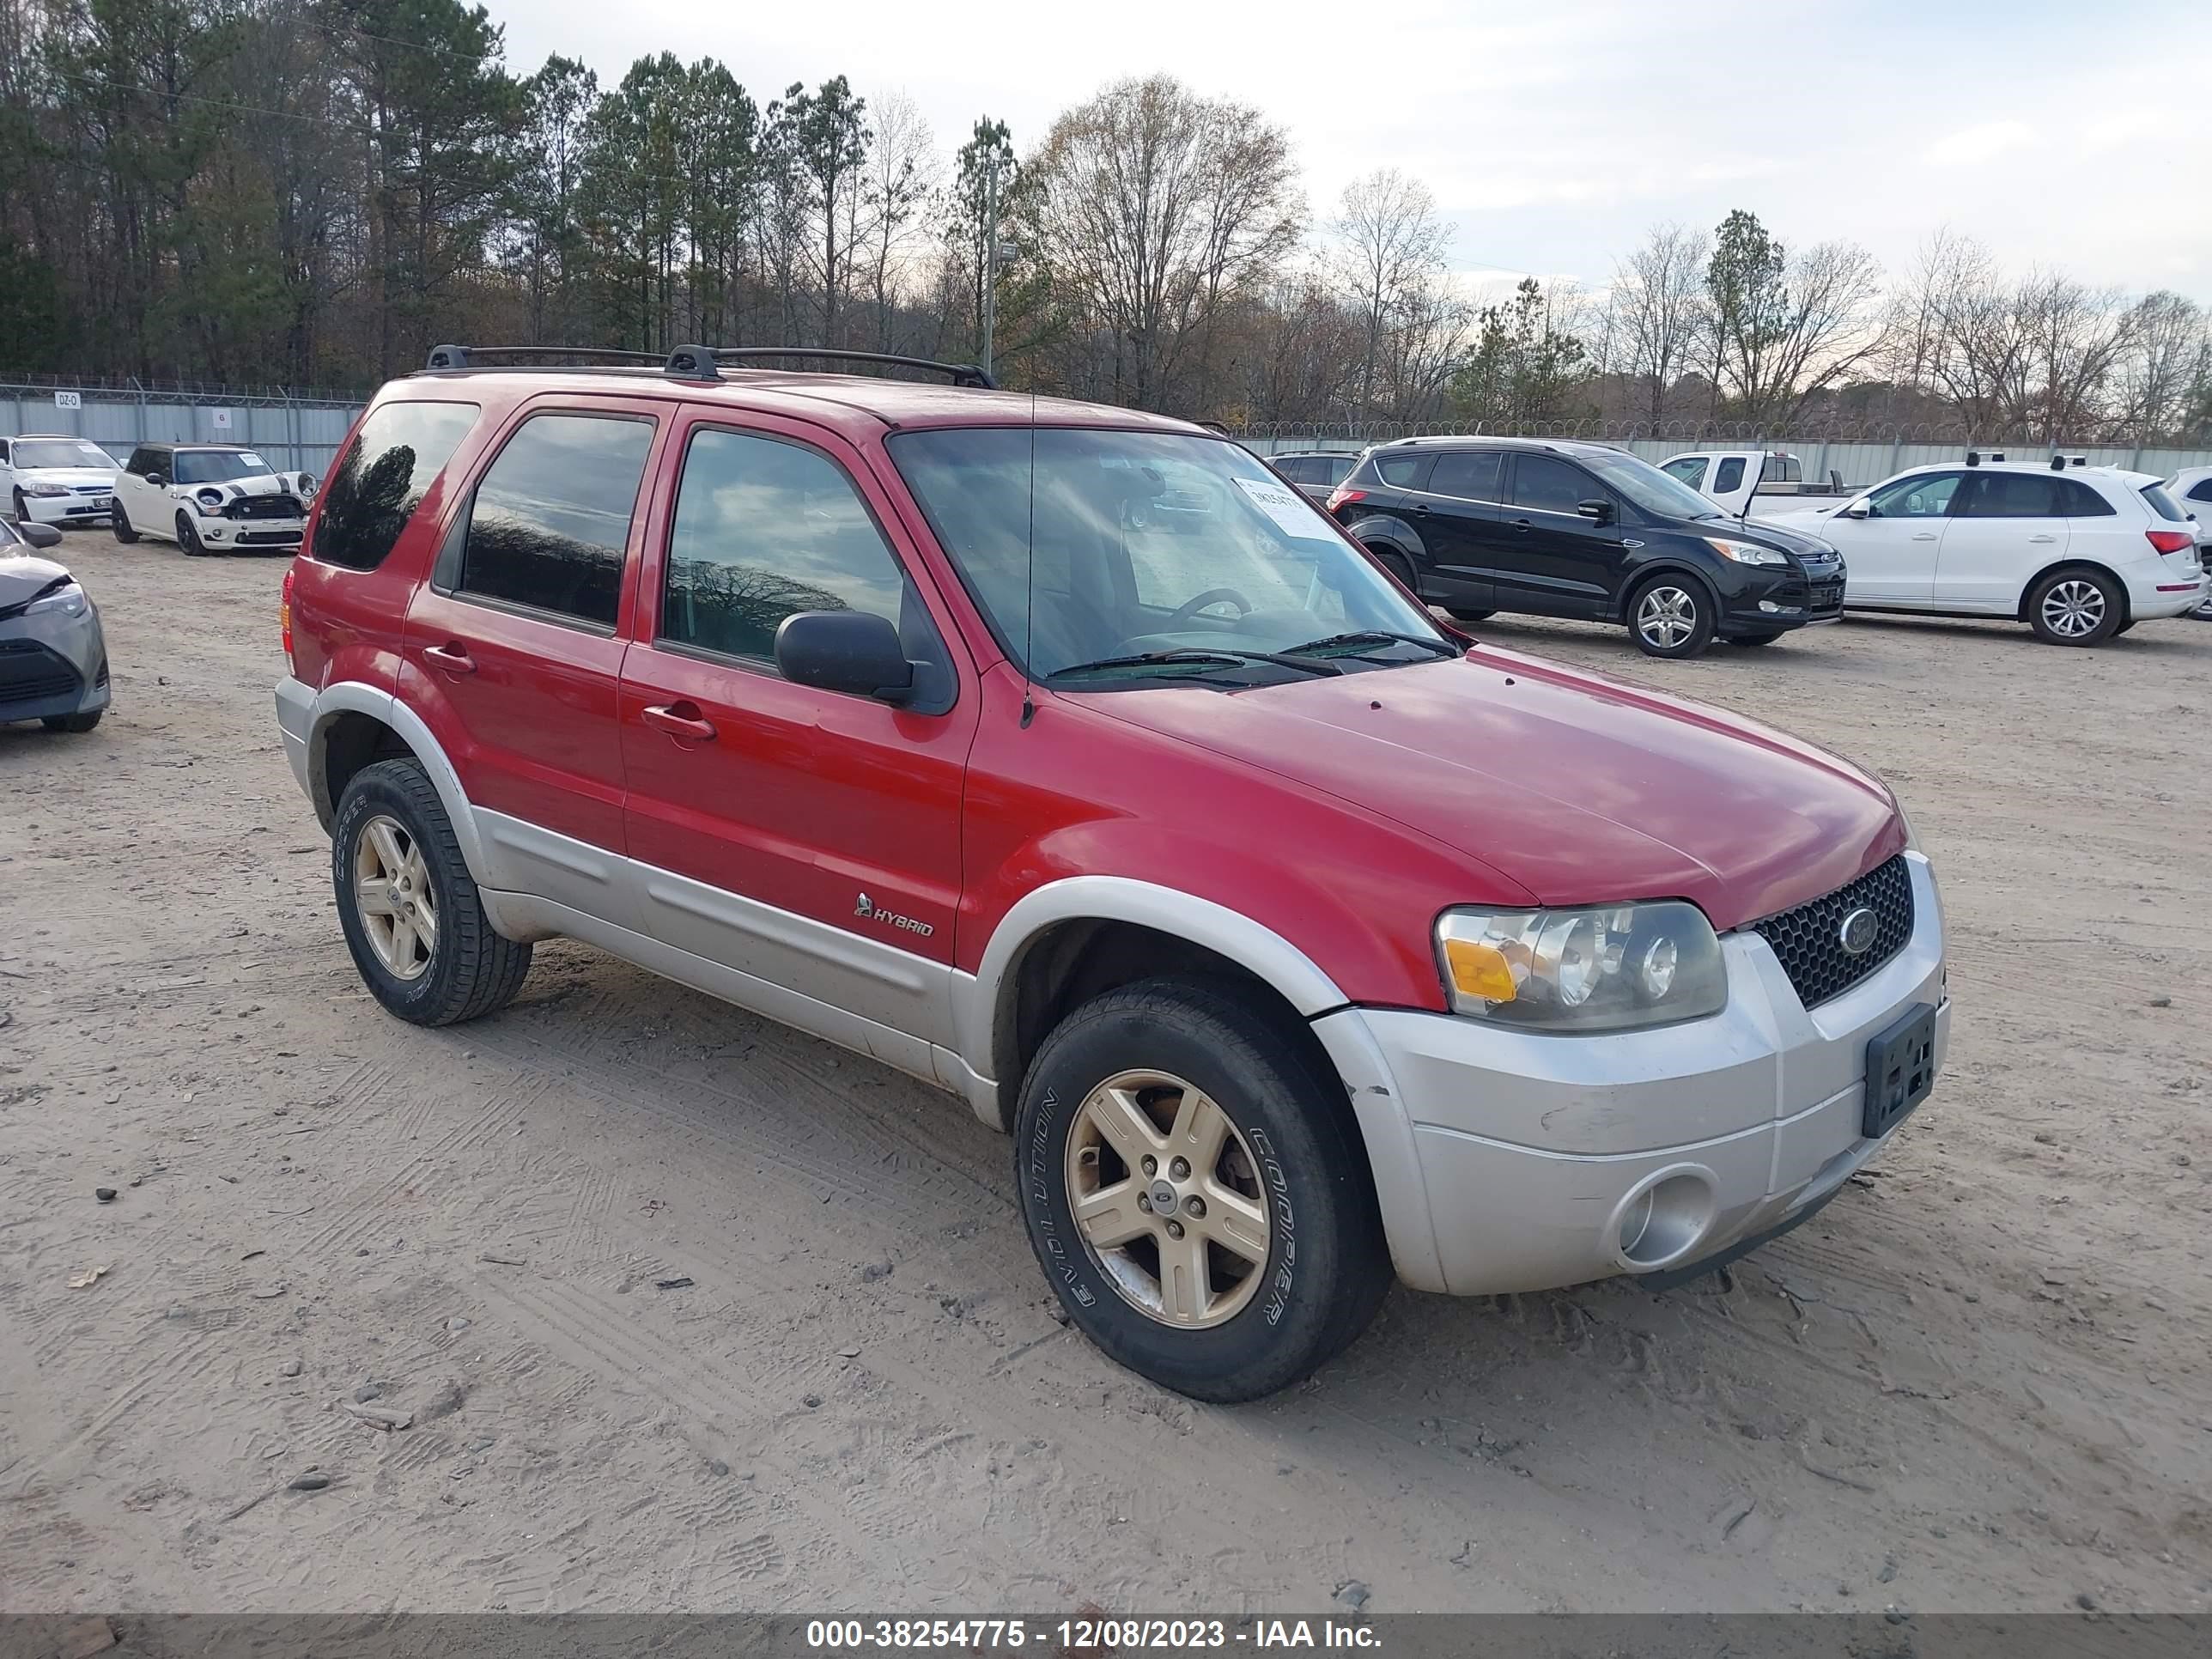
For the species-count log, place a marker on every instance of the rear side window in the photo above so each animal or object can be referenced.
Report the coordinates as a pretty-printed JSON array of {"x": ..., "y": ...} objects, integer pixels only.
[
  {"x": 1549, "y": 485},
  {"x": 549, "y": 523},
  {"x": 1471, "y": 475},
  {"x": 2163, "y": 504},
  {"x": 1298, "y": 468},
  {"x": 764, "y": 530},
  {"x": 1333, "y": 469},
  {"x": 1401, "y": 472},
  {"x": 2011, "y": 496},
  {"x": 2201, "y": 490},
  {"x": 374, "y": 489},
  {"x": 2077, "y": 500},
  {"x": 1730, "y": 476}
]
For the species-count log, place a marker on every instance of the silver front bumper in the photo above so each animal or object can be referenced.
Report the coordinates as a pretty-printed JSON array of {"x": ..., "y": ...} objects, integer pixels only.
[
  {"x": 1529, "y": 1150},
  {"x": 34, "y": 652}
]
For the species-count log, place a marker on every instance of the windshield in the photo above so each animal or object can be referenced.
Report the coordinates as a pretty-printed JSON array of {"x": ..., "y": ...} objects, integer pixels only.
[
  {"x": 61, "y": 452},
  {"x": 1149, "y": 543},
  {"x": 198, "y": 466},
  {"x": 1645, "y": 485}
]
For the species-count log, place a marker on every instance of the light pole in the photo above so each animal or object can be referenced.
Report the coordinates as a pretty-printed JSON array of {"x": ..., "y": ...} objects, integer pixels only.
[{"x": 990, "y": 256}]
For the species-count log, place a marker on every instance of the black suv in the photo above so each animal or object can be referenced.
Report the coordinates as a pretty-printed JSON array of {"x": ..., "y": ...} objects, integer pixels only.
[{"x": 1483, "y": 525}]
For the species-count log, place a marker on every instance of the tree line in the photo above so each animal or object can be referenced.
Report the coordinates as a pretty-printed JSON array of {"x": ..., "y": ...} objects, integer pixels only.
[{"x": 312, "y": 192}]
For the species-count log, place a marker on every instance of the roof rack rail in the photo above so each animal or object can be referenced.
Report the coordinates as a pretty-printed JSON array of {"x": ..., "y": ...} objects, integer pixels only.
[
  {"x": 464, "y": 356},
  {"x": 967, "y": 375}
]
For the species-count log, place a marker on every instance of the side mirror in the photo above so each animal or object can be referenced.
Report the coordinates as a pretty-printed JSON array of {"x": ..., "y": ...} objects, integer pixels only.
[
  {"x": 160, "y": 481},
  {"x": 1597, "y": 512},
  {"x": 1856, "y": 510},
  {"x": 39, "y": 535},
  {"x": 852, "y": 651}
]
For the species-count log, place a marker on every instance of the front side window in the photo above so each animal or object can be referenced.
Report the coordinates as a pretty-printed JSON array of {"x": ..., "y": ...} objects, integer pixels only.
[
  {"x": 1730, "y": 476},
  {"x": 1470, "y": 475},
  {"x": 1689, "y": 469},
  {"x": 1922, "y": 496},
  {"x": 385, "y": 471},
  {"x": 765, "y": 529},
  {"x": 551, "y": 520},
  {"x": 1084, "y": 547},
  {"x": 199, "y": 466},
  {"x": 1544, "y": 484},
  {"x": 34, "y": 453}
]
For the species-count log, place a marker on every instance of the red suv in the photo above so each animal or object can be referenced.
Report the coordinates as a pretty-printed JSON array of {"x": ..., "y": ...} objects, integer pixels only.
[{"x": 1065, "y": 758}]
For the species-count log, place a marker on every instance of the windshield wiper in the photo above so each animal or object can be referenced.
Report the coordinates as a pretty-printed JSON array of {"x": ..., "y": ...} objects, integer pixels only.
[
  {"x": 1231, "y": 659},
  {"x": 1374, "y": 636}
]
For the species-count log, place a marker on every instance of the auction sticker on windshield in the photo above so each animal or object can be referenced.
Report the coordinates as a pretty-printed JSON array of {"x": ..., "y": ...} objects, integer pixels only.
[{"x": 1289, "y": 509}]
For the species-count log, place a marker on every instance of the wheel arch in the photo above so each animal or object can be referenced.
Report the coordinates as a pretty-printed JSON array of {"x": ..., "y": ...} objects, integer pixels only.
[
  {"x": 1075, "y": 938},
  {"x": 2090, "y": 567},
  {"x": 356, "y": 725},
  {"x": 1395, "y": 533},
  {"x": 1664, "y": 566}
]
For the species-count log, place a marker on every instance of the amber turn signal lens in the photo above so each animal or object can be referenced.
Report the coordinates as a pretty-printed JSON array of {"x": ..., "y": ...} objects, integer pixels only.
[{"x": 1479, "y": 971}]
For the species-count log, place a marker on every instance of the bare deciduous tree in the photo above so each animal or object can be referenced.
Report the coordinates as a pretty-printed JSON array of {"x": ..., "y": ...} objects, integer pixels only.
[
  {"x": 1389, "y": 260},
  {"x": 1660, "y": 313}
]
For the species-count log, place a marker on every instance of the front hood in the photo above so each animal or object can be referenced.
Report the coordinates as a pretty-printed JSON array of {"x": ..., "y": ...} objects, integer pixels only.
[
  {"x": 233, "y": 488},
  {"x": 1583, "y": 791},
  {"x": 1802, "y": 538},
  {"x": 69, "y": 476},
  {"x": 22, "y": 579}
]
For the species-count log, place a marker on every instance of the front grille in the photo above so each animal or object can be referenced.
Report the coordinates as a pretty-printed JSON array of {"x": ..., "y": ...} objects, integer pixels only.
[
  {"x": 1809, "y": 940},
  {"x": 93, "y": 489},
  {"x": 264, "y": 507},
  {"x": 31, "y": 673},
  {"x": 1827, "y": 596}
]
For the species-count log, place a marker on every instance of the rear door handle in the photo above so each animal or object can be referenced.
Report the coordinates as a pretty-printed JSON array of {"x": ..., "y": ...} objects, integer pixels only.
[
  {"x": 1925, "y": 536},
  {"x": 680, "y": 720},
  {"x": 452, "y": 657},
  {"x": 1518, "y": 524}
]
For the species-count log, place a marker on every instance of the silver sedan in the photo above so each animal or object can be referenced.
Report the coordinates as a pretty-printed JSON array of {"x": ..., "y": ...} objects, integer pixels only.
[{"x": 54, "y": 658}]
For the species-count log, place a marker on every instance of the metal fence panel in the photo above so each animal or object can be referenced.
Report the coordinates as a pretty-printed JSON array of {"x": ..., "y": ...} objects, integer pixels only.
[{"x": 291, "y": 434}]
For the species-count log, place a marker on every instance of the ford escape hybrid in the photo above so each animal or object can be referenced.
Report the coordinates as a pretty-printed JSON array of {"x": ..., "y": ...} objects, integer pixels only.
[{"x": 1067, "y": 758}]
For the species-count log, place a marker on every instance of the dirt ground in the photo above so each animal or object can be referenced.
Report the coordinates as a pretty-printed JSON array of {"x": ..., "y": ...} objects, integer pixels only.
[{"x": 691, "y": 1312}]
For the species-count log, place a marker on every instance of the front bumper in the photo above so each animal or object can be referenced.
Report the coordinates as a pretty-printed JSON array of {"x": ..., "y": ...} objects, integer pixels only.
[
  {"x": 249, "y": 535},
  {"x": 72, "y": 508},
  {"x": 1769, "y": 600},
  {"x": 1528, "y": 1150},
  {"x": 52, "y": 664}
]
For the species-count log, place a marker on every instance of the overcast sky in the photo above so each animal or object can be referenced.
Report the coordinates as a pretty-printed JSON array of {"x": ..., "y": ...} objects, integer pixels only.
[{"x": 1553, "y": 133}]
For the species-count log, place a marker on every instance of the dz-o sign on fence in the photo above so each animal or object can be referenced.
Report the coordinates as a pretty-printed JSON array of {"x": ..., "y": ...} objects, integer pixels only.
[{"x": 69, "y": 400}]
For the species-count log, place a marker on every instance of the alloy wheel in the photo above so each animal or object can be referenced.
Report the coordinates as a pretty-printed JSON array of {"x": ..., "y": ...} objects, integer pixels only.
[
  {"x": 392, "y": 892},
  {"x": 1167, "y": 1196},
  {"x": 2074, "y": 607},
  {"x": 1666, "y": 616}
]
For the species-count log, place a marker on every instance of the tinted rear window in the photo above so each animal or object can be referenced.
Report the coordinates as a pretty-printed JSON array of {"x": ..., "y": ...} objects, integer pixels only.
[
  {"x": 1399, "y": 471},
  {"x": 2163, "y": 504},
  {"x": 394, "y": 459}
]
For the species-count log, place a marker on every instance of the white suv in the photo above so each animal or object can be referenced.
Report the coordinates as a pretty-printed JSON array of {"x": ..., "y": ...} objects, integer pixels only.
[
  {"x": 2078, "y": 553},
  {"x": 2193, "y": 488},
  {"x": 47, "y": 479},
  {"x": 207, "y": 497}
]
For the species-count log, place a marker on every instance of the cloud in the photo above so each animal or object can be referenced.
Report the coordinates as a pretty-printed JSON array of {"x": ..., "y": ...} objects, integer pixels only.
[{"x": 1971, "y": 146}]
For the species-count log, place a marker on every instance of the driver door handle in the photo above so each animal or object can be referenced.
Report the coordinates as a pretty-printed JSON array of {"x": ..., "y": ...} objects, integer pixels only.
[
  {"x": 680, "y": 720},
  {"x": 1518, "y": 524},
  {"x": 2038, "y": 540},
  {"x": 1924, "y": 536}
]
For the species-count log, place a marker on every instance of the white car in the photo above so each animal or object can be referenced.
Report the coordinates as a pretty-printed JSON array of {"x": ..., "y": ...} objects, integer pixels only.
[
  {"x": 2193, "y": 488},
  {"x": 2078, "y": 553},
  {"x": 209, "y": 497},
  {"x": 47, "y": 479}
]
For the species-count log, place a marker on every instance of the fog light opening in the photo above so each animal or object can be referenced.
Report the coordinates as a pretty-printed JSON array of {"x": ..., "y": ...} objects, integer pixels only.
[{"x": 1665, "y": 1220}]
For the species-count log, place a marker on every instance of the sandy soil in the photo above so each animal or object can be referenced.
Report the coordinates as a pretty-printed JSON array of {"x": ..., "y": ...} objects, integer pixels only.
[{"x": 1979, "y": 1382}]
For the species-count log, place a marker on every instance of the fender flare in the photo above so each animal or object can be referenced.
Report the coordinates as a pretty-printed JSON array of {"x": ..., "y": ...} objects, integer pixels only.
[
  {"x": 1385, "y": 527},
  {"x": 983, "y": 1005},
  {"x": 357, "y": 697}
]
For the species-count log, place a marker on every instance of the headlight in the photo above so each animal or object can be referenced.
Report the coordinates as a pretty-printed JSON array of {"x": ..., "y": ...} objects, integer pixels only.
[
  {"x": 45, "y": 490},
  {"x": 68, "y": 601},
  {"x": 211, "y": 501},
  {"x": 1616, "y": 968},
  {"x": 1746, "y": 552}
]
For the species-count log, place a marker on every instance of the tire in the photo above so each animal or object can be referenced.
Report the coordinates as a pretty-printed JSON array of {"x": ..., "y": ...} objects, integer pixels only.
[
  {"x": 120, "y": 522},
  {"x": 2124, "y": 628},
  {"x": 77, "y": 723},
  {"x": 1754, "y": 639},
  {"x": 1398, "y": 565},
  {"x": 468, "y": 970},
  {"x": 1670, "y": 616},
  {"x": 1289, "y": 1137},
  {"x": 1457, "y": 614},
  {"x": 2075, "y": 607},
  {"x": 22, "y": 509},
  {"x": 188, "y": 538}
]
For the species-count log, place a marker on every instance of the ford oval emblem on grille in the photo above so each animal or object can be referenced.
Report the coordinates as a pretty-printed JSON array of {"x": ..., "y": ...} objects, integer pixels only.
[{"x": 1857, "y": 935}]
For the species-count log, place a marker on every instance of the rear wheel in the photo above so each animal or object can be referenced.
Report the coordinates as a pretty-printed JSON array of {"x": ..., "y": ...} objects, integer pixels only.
[
  {"x": 409, "y": 907},
  {"x": 1462, "y": 615},
  {"x": 1670, "y": 616},
  {"x": 22, "y": 509},
  {"x": 120, "y": 522},
  {"x": 1197, "y": 1194},
  {"x": 188, "y": 536},
  {"x": 2075, "y": 607}
]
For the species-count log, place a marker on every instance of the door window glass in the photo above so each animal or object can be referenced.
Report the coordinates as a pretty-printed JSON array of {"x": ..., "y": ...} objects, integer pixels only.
[
  {"x": 374, "y": 489},
  {"x": 1471, "y": 475},
  {"x": 551, "y": 516},
  {"x": 1690, "y": 469},
  {"x": 1730, "y": 476},
  {"x": 1923, "y": 495},
  {"x": 765, "y": 529},
  {"x": 1548, "y": 485},
  {"x": 1401, "y": 472}
]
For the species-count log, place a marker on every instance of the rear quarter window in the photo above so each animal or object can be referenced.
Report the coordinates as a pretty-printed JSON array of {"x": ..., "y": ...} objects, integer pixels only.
[
  {"x": 2163, "y": 504},
  {"x": 1402, "y": 471},
  {"x": 381, "y": 479}
]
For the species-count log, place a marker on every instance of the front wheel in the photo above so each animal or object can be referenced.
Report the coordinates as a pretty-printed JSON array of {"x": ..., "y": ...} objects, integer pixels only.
[
  {"x": 1670, "y": 617},
  {"x": 1196, "y": 1192},
  {"x": 409, "y": 907},
  {"x": 2075, "y": 607},
  {"x": 188, "y": 537}
]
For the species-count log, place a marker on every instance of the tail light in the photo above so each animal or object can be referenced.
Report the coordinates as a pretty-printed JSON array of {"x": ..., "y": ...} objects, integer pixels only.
[
  {"x": 1345, "y": 496},
  {"x": 284, "y": 618},
  {"x": 2172, "y": 541}
]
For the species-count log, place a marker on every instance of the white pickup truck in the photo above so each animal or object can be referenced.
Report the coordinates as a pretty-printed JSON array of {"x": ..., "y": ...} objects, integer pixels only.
[{"x": 1734, "y": 477}]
